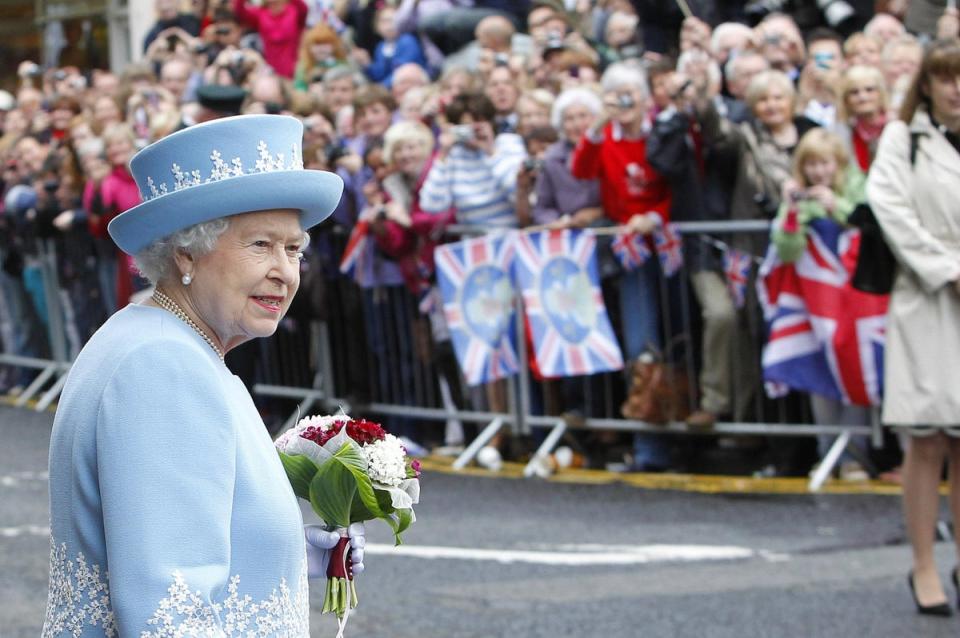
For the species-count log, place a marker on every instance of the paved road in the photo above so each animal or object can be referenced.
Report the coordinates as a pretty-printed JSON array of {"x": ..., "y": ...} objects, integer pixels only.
[{"x": 500, "y": 557}]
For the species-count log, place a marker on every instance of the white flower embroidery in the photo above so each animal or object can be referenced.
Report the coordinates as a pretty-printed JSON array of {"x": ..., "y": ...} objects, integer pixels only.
[
  {"x": 80, "y": 598},
  {"x": 265, "y": 160},
  {"x": 220, "y": 168},
  {"x": 296, "y": 163},
  {"x": 266, "y": 163},
  {"x": 179, "y": 178},
  {"x": 186, "y": 613}
]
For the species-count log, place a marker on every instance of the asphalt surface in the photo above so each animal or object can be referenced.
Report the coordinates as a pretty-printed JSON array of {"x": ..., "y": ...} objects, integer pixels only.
[{"x": 825, "y": 565}]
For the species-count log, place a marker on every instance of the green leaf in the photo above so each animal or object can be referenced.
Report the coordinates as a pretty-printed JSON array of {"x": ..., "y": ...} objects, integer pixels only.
[
  {"x": 300, "y": 471},
  {"x": 341, "y": 493},
  {"x": 405, "y": 519},
  {"x": 331, "y": 492}
]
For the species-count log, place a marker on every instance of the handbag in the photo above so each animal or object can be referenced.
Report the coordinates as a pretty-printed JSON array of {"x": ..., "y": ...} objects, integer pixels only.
[
  {"x": 659, "y": 391},
  {"x": 876, "y": 266}
]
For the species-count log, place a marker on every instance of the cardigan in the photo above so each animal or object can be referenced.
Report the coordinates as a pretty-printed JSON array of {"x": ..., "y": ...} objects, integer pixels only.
[{"x": 170, "y": 511}]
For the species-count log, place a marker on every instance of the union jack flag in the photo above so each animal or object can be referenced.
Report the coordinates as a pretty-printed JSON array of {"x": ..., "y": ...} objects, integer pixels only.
[
  {"x": 557, "y": 271},
  {"x": 825, "y": 336},
  {"x": 477, "y": 291},
  {"x": 356, "y": 248},
  {"x": 630, "y": 249},
  {"x": 666, "y": 240},
  {"x": 736, "y": 267}
]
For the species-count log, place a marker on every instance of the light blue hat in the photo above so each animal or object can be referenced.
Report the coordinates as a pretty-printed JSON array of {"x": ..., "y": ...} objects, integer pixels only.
[{"x": 224, "y": 167}]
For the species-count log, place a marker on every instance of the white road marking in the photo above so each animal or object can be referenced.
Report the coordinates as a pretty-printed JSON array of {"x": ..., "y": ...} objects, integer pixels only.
[
  {"x": 16, "y": 478},
  {"x": 24, "y": 530},
  {"x": 572, "y": 555}
]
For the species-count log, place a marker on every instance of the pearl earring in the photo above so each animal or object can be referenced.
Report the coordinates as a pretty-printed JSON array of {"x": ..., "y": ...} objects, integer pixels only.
[{"x": 186, "y": 279}]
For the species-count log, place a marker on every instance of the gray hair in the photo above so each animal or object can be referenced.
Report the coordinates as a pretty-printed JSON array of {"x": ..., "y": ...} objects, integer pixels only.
[
  {"x": 625, "y": 75},
  {"x": 340, "y": 72},
  {"x": 570, "y": 97},
  {"x": 156, "y": 262},
  {"x": 731, "y": 69}
]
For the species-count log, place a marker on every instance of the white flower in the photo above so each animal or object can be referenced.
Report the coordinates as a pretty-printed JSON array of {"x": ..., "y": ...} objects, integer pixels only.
[
  {"x": 386, "y": 461},
  {"x": 324, "y": 422}
]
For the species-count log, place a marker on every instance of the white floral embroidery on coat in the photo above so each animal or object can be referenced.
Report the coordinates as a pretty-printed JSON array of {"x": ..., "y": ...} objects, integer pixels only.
[
  {"x": 283, "y": 613},
  {"x": 79, "y": 598}
]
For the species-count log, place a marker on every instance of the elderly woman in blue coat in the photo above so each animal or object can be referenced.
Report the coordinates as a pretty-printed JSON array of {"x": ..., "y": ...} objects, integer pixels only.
[{"x": 170, "y": 511}]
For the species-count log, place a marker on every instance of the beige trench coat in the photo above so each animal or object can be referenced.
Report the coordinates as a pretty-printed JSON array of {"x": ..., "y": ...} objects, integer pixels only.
[{"x": 918, "y": 208}]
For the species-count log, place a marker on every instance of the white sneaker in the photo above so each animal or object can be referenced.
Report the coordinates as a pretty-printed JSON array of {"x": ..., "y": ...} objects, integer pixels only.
[
  {"x": 489, "y": 458},
  {"x": 853, "y": 471}
]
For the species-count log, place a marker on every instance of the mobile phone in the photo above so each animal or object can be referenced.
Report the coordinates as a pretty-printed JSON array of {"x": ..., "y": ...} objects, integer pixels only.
[{"x": 679, "y": 92}]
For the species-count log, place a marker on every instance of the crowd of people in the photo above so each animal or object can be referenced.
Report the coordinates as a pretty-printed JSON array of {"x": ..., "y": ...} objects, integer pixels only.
[{"x": 491, "y": 115}]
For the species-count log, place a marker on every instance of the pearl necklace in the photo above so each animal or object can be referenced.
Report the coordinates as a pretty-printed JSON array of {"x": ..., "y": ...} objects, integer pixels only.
[{"x": 172, "y": 306}]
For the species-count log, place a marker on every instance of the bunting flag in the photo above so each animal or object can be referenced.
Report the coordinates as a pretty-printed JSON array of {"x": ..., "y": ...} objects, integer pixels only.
[
  {"x": 557, "y": 271},
  {"x": 630, "y": 249},
  {"x": 825, "y": 336},
  {"x": 666, "y": 239},
  {"x": 356, "y": 248},
  {"x": 736, "y": 267},
  {"x": 477, "y": 292}
]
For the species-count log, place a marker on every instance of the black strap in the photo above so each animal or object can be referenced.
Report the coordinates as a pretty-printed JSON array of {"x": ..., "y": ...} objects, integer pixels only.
[{"x": 914, "y": 145}]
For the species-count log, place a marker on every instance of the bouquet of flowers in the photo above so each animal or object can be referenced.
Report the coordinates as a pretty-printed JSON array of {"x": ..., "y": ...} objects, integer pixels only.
[{"x": 351, "y": 471}]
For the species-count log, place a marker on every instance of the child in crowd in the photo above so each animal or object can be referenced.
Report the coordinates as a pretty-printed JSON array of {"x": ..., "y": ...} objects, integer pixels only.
[
  {"x": 825, "y": 185},
  {"x": 395, "y": 50}
]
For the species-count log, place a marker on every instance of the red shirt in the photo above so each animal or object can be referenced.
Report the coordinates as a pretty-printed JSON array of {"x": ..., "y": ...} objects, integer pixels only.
[
  {"x": 628, "y": 184},
  {"x": 279, "y": 31}
]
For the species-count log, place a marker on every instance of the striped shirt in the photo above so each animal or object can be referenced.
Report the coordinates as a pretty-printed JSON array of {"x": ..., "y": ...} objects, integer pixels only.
[{"x": 480, "y": 187}]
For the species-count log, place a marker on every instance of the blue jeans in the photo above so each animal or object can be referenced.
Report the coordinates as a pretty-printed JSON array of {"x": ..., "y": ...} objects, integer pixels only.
[
  {"x": 639, "y": 309},
  {"x": 639, "y": 314}
]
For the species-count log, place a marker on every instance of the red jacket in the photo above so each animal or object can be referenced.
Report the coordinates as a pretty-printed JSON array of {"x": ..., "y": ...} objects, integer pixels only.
[
  {"x": 280, "y": 32},
  {"x": 628, "y": 184}
]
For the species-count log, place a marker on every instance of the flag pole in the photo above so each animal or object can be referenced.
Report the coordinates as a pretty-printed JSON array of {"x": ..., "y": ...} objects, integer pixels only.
[{"x": 685, "y": 8}]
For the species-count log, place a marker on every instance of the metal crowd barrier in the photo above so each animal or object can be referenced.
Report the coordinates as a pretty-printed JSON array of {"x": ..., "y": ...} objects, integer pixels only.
[
  {"x": 52, "y": 371},
  {"x": 372, "y": 353},
  {"x": 403, "y": 385}
]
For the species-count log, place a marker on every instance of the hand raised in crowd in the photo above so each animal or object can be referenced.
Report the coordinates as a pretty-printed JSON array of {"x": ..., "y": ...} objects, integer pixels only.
[
  {"x": 398, "y": 213},
  {"x": 351, "y": 162},
  {"x": 948, "y": 25},
  {"x": 695, "y": 34},
  {"x": 360, "y": 56},
  {"x": 445, "y": 141},
  {"x": 64, "y": 221},
  {"x": 526, "y": 179},
  {"x": 643, "y": 223},
  {"x": 790, "y": 190},
  {"x": 484, "y": 137},
  {"x": 824, "y": 196}
]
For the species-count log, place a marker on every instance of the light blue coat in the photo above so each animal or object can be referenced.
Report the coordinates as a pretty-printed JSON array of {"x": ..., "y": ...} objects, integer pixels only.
[{"x": 170, "y": 511}]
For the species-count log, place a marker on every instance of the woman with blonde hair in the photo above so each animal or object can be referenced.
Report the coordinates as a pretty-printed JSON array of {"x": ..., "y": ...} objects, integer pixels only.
[
  {"x": 862, "y": 112},
  {"x": 918, "y": 157},
  {"x": 533, "y": 110}
]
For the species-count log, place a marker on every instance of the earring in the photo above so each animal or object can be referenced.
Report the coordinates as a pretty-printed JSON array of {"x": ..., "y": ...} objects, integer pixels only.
[{"x": 186, "y": 279}]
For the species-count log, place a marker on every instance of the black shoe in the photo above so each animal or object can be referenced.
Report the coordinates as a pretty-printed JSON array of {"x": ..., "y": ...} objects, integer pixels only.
[{"x": 941, "y": 609}]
